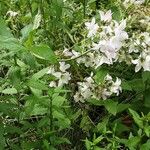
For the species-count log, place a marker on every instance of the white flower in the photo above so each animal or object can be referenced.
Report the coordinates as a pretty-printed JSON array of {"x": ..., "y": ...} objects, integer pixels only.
[
  {"x": 66, "y": 52},
  {"x": 12, "y": 13},
  {"x": 64, "y": 79},
  {"x": 106, "y": 94},
  {"x": 101, "y": 59},
  {"x": 142, "y": 61},
  {"x": 106, "y": 17},
  {"x": 63, "y": 67},
  {"x": 52, "y": 84},
  {"x": 108, "y": 78},
  {"x": 57, "y": 74},
  {"x": 78, "y": 97},
  {"x": 92, "y": 27},
  {"x": 122, "y": 35},
  {"x": 115, "y": 88},
  {"x": 136, "y": 2},
  {"x": 139, "y": 2},
  {"x": 51, "y": 70}
]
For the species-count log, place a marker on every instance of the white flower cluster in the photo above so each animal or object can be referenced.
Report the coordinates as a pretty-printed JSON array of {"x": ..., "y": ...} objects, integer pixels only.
[
  {"x": 89, "y": 89},
  {"x": 62, "y": 77},
  {"x": 135, "y": 2},
  {"x": 106, "y": 40},
  {"x": 142, "y": 46}
]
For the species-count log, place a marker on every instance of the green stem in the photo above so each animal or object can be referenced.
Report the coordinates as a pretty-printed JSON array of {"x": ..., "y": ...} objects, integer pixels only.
[{"x": 76, "y": 57}]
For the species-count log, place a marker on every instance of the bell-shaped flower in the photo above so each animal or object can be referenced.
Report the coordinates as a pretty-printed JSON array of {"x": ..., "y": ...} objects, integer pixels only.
[
  {"x": 92, "y": 27},
  {"x": 106, "y": 17}
]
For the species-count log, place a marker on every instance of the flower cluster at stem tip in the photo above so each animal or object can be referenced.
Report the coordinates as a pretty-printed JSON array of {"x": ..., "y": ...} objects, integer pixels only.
[{"x": 108, "y": 43}]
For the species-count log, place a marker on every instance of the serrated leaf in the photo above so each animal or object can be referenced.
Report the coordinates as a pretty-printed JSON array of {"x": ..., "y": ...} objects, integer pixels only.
[
  {"x": 136, "y": 118},
  {"x": 102, "y": 126}
]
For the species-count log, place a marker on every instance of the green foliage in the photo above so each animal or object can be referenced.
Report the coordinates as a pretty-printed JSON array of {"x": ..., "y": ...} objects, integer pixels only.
[{"x": 36, "y": 116}]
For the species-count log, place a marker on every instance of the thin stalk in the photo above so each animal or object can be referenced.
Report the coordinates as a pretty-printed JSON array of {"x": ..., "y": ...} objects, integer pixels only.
[
  {"x": 77, "y": 56},
  {"x": 30, "y": 8}
]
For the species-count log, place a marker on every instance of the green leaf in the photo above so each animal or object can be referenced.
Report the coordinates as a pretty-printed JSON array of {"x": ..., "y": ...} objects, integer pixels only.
[
  {"x": 63, "y": 121},
  {"x": 85, "y": 123},
  {"x": 147, "y": 130},
  {"x": 58, "y": 101},
  {"x": 146, "y": 76},
  {"x": 44, "y": 52},
  {"x": 126, "y": 86},
  {"x": 145, "y": 146},
  {"x": 88, "y": 144},
  {"x": 97, "y": 140},
  {"x": 4, "y": 31},
  {"x": 117, "y": 13},
  {"x": 40, "y": 74},
  {"x": 136, "y": 118},
  {"x": 11, "y": 44},
  {"x": 121, "y": 107},
  {"x": 137, "y": 84},
  {"x": 38, "y": 110},
  {"x": 9, "y": 91},
  {"x": 111, "y": 106},
  {"x": 37, "y": 84},
  {"x": 100, "y": 75},
  {"x": 96, "y": 102},
  {"x": 147, "y": 98},
  {"x": 133, "y": 142},
  {"x": 15, "y": 77},
  {"x": 2, "y": 138},
  {"x": 102, "y": 126}
]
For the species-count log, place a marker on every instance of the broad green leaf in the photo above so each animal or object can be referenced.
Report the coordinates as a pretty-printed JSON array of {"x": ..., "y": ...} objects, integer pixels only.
[
  {"x": 133, "y": 142},
  {"x": 126, "y": 86},
  {"x": 63, "y": 121},
  {"x": 145, "y": 146},
  {"x": 58, "y": 101},
  {"x": 137, "y": 84},
  {"x": 147, "y": 130},
  {"x": 96, "y": 102},
  {"x": 117, "y": 13},
  {"x": 44, "y": 52},
  {"x": 37, "y": 84},
  {"x": 11, "y": 44},
  {"x": 4, "y": 31},
  {"x": 39, "y": 110},
  {"x": 111, "y": 106},
  {"x": 146, "y": 76},
  {"x": 40, "y": 74},
  {"x": 121, "y": 107},
  {"x": 9, "y": 91},
  {"x": 100, "y": 75}
]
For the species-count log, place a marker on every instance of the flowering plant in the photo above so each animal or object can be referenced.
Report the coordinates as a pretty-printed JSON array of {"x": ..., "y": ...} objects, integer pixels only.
[{"x": 75, "y": 74}]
